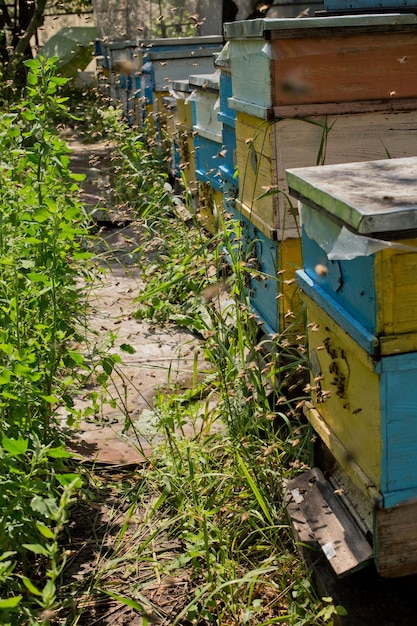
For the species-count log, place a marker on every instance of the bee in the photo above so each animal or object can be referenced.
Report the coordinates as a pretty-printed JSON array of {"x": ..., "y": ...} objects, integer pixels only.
[{"x": 321, "y": 270}]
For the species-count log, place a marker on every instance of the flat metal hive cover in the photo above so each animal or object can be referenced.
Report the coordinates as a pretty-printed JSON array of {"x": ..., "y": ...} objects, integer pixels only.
[{"x": 370, "y": 198}]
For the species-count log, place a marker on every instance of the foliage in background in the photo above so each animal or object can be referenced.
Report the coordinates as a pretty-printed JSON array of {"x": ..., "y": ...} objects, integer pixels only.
[{"x": 19, "y": 24}]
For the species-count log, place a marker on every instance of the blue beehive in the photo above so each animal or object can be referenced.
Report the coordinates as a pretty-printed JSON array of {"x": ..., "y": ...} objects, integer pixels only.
[
  {"x": 227, "y": 118},
  {"x": 343, "y": 7},
  {"x": 166, "y": 60},
  {"x": 260, "y": 255},
  {"x": 207, "y": 128},
  {"x": 125, "y": 79}
]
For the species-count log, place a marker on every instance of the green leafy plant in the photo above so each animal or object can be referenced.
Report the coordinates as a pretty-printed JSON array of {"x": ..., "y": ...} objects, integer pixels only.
[{"x": 43, "y": 231}]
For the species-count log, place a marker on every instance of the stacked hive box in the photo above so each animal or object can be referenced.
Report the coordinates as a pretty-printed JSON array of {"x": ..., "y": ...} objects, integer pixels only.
[
  {"x": 307, "y": 92},
  {"x": 360, "y": 287},
  {"x": 165, "y": 60},
  {"x": 184, "y": 133},
  {"x": 125, "y": 79},
  {"x": 208, "y": 145},
  {"x": 227, "y": 119}
]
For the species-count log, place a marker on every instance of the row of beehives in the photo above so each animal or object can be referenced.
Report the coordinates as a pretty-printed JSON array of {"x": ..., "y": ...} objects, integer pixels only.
[{"x": 291, "y": 94}]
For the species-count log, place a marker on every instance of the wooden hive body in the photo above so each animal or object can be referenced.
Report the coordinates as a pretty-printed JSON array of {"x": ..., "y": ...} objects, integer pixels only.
[
  {"x": 319, "y": 61},
  {"x": 265, "y": 150},
  {"x": 164, "y": 61},
  {"x": 184, "y": 132},
  {"x": 227, "y": 118},
  {"x": 269, "y": 274},
  {"x": 378, "y": 289}
]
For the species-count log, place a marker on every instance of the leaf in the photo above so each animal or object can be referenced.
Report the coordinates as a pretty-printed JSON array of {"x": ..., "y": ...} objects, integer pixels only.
[
  {"x": 31, "y": 587},
  {"x": 255, "y": 490},
  {"x": 340, "y": 610},
  {"x": 77, "y": 357},
  {"x": 10, "y": 603},
  {"x": 45, "y": 506},
  {"x": 70, "y": 479},
  {"x": 49, "y": 592},
  {"x": 45, "y": 531},
  {"x": 58, "y": 453},
  {"x": 41, "y": 215},
  {"x": 5, "y": 377},
  {"x": 31, "y": 79},
  {"x": 77, "y": 177},
  {"x": 35, "y": 277},
  {"x": 127, "y": 348},
  {"x": 14, "y": 446},
  {"x": 126, "y": 601},
  {"x": 36, "y": 548},
  {"x": 50, "y": 399},
  {"x": 80, "y": 256}
]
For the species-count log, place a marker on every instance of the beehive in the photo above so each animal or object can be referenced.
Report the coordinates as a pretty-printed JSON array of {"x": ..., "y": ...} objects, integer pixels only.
[
  {"x": 316, "y": 64},
  {"x": 269, "y": 274},
  {"x": 185, "y": 133},
  {"x": 207, "y": 132},
  {"x": 266, "y": 149},
  {"x": 166, "y": 60},
  {"x": 364, "y": 397},
  {"x": 379, "y": 289},
  {"x": 227, "y": 117},
  {"x": 125, "y": 79},
  {"x": 340, "y": 7}
]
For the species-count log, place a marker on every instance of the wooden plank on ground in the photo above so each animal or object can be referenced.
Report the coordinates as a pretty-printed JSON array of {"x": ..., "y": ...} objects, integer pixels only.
[{"x": 318, "y": 515}]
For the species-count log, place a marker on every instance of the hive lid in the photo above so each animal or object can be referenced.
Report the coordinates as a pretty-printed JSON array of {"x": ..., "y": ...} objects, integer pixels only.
[
  {"x": 205, "y": 81},
  {"x": 286, "y": 27},
  {"x": 182, "y": 85},
  {"x": 198, "y": 42},
  {"x": 374, "y": 198}
]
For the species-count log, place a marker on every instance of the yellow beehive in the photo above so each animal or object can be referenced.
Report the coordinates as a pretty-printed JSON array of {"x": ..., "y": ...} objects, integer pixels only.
[{"x": 185, "y": 134}]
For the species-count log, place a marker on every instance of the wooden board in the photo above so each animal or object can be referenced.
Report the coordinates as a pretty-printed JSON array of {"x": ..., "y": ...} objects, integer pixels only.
[
  {"x": 279, "y": 28},
  {"x": 346, "y": 393},
  {"x": 319, "y": 517},
  {"x": 396, "y": 540},
  {"x": 361, "y": 67},
  {"x": 186, "y": 149},
  {"x": 275, "y": 297},
  {"x": 379, "y": 291}
]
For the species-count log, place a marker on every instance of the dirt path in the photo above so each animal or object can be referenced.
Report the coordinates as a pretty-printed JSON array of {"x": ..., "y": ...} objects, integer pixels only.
[{"x": 158, "y": 355}]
